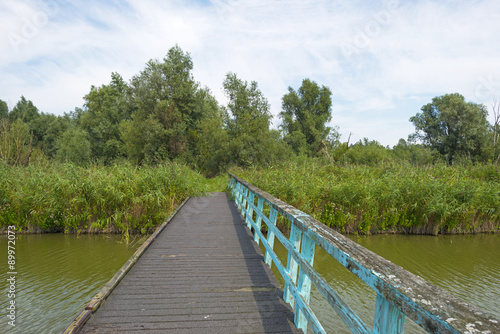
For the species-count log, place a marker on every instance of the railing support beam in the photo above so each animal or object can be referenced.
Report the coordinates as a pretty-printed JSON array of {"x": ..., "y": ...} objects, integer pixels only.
[
  {"x": 388, "y": 318},
  {"x": 291, "y": 265},
  {"x": 400, "y": 294},
  {"x": 258, "y": 221},
  {"x": 304, "y": 283},
  {"x": 270, "y": 234}
]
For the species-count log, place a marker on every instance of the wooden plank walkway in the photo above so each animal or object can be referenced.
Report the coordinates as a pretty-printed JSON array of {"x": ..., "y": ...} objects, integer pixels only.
[{"x": 203, "y": 274}]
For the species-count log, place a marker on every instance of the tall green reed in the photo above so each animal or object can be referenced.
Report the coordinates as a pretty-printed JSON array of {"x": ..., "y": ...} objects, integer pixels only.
[
  {"x": 389, "y": 197},
  {"x": 119, "y": 198}
]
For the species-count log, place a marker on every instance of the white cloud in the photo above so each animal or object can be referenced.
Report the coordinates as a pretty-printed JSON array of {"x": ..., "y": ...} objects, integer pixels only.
[{"x": 379, "y": 59}]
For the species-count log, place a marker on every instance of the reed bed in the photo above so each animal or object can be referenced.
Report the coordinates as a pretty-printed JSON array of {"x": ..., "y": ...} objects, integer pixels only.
[
  {"x": 387, "y": 198},
  {"x": 125, "y": 198},
  {"x": 54, "y": 197}
]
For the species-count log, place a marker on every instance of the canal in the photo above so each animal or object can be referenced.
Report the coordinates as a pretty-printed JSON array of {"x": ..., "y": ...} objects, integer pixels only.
[
  {"x": 468, "y": 266},
  {"x": 58, "y": 274}
]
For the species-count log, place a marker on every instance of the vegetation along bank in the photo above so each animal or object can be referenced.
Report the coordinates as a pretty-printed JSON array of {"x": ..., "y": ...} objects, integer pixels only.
[{"x": 135, "y": 149}]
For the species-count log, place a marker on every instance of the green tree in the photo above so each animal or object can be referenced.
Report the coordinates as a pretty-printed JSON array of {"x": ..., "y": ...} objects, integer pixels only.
[
  {"x": 4, "y": 110},
  {"x": 47, "y": 128},
  {"x": 453, "y": 127},
  {"x": 212, "y": 139},
  {"x": 55, "y": 126},
  {"x": 416, "y": 154},
  {"x": 15, "y": 142},
  {"x": 74, "y": 147},
  {"x": 496, "y": 132},
  {"x": 367, "y": 152},
  {"x": 164, "y": 95},
  {"x": 305, "y": 113},
  {"x": 25, "y": 110},
  {"x": 208, "y": 138},
  {"x": 105, "y": 107},
  {"x": 248, "y": 122}
]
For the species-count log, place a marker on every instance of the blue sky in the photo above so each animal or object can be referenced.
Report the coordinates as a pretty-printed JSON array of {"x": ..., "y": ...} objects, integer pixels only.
[{"x": 382, "y": 60}]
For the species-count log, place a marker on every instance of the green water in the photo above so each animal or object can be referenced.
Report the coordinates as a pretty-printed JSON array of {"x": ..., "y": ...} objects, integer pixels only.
[
  {"x": 467, "y": 266},
  {"x": 57, "y": 275}
]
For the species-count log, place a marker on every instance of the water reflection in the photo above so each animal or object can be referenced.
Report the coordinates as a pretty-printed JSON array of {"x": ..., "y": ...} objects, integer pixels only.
[
  {"x": 467, "y": 266},
  {"x": 57, "y": 275}
]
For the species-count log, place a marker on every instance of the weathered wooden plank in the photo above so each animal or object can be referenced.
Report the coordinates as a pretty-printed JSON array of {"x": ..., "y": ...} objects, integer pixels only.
[
  {"x": 220, "y": 326},
  {"x": 204, "y": 264}
]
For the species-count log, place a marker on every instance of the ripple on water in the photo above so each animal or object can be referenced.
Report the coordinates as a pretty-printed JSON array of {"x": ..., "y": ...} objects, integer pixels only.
[
  {"x": 57, "y": 276},
  {"x": 466, "y": 266}
]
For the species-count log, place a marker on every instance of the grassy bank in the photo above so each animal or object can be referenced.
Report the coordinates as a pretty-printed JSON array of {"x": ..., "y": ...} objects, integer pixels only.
[
  {"x": 388, "y": 197},
  {"x": 391, "y": 197},
  {"x": 120, "y": 198}
]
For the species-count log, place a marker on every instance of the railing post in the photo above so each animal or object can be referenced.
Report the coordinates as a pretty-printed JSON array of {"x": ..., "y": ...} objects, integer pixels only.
[
  {"x": 270, "y": 236},
  {"x": 239, "y": 190},
  {"x": 291, "y": 265},
  {"x": 304, "y": 283},
  {"x": 388, "y": 318},
  {"x": 251, "y": 199},
  {"x": 244, "y": 195},
  {"x": 258, "y": 220}
]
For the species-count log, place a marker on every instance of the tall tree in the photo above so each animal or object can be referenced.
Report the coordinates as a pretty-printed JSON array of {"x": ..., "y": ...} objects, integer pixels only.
[
  {"x": 25, "y": 110},
  {"x": 453, "y": 126},
  {"x": 164, "y": 96},
  {"x": 105, "y": 107},
  {"x": 16, "y": 144},
  {"x": 305, "y": 113},
  {"x": 50, "y": 128},
  {"x": 496, "y": 132},
  {"x": 74, "y": 147},
  {"x": 4, "y": 110},
  {"x": 208, "y": 140},
  {"x": 248, "y": 121}
]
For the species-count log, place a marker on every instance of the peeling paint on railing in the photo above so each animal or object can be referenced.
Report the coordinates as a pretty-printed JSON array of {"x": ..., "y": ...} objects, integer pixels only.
[{"x": 400, "y": 293}]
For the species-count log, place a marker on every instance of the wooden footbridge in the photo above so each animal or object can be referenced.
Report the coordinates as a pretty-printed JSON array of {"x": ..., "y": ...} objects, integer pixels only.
[{"x": 202, "y": 271}]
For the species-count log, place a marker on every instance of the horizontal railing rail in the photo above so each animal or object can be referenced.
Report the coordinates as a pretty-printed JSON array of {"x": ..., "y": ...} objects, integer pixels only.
[{"x": 400, "y": 293}]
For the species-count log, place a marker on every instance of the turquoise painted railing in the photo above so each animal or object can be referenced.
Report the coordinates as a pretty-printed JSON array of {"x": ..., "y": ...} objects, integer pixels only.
[{"x": 400, "y": 294}]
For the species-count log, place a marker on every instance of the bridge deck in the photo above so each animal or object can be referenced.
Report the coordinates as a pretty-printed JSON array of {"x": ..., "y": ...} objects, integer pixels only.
[{"x": 203, "y": 274}]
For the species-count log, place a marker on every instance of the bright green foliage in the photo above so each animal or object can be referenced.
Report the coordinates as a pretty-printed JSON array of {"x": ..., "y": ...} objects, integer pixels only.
[
  {"x": 74, "y": 147},
  {"x": 105, "y": 107},
  {"x": 4, "y": 110},
  {"x": 305, "y": 114},
  {"x": 121, "y": 197},
  {"x": 14, "y": 142},
  {"x": 387, "y": 197},
  {"x": 248, "y": 123},
  {"x": 453, "y": 127},
  {"x": 367, "y": 152},
  {"x": 163, "y": 96},
  {"x": 416, "y": 154},
  {"x": 210, "y": 140},
  {"x": 56, "y": 126},
  {"x": 25, "y": 110},
  {"x": 47, "y": 129}
]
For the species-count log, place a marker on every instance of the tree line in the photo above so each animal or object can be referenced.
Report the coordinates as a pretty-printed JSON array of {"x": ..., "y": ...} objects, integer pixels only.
[{"x": 162, "y": 114}]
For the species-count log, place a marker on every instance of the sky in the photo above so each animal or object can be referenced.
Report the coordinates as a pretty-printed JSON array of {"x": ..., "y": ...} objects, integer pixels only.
[{"x": 382, "y": 60}]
